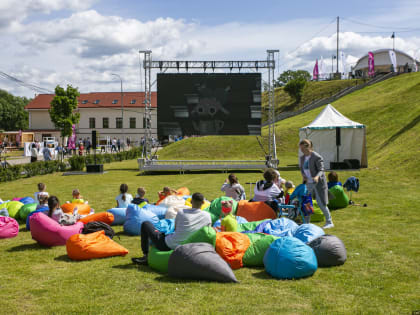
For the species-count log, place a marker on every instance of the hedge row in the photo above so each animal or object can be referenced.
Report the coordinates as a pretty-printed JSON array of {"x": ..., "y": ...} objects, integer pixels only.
[
  {"x": 32, "y": 169},
  {"x": 78, "y": 163}
]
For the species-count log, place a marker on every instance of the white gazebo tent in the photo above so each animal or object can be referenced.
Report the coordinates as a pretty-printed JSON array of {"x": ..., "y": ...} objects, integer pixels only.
[{"x": 336, "y": 138}]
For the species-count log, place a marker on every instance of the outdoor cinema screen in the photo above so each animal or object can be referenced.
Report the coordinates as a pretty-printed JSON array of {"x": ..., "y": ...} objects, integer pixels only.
[{"x": 208, "y": 104}]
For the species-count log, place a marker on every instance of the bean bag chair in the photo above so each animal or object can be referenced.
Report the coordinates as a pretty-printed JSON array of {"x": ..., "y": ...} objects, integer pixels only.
[
  {"x": 203, "y": 206},
  {"x": 48, "y": 232},
  {"x": 12, "y": 207},
  {"x": 173, "y": 211},
  {"x": 317, "y": 216},
  {"x": 280, "y": 227},
  {"x": 215, "y": 208},
  {"x": 289, "y": 258},
  {"x": 340, "y": 201},
  {"x": 183, "y": 191},
  {"x": 43, "y": 210},
  {"x": 158, "y": 210},
  {"x": 254, "y": 255},
  {"x": 158, "y": 260},
  {"x": 119, "y": 215},
  {"x": 253, "y": 237},
  {"x": 308, "y": 232},
  {"x": 134, "y": 218},
  {"x": 104, "y": 217},
  {"x": 199, "y": 261},
  {"x": 231, "y": 246},
  {"x": 25, "y": 210},
  {"x": 239, "y": 219},
  {"x": 27, "y": 200},
  {"x": 93, "y": 245},
  {"x": 82, "y": 208},
  {"x": 250, "y": 226},
  {"x": 16, "y": 199},
  {"x": 166, "y": 226},
  {"x": 4, "y": 212},
  {"x": 255, "y": 211},
  {"x": 8, "y": 227},
  {"x": 329, "y": 250},
  {"x": 204, "y": 235}
]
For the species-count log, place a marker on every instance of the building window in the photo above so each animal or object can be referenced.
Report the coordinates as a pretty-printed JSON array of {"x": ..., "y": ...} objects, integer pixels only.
[
  {"x": 105, "y": 122},
  {"x": 84, "y": 101},
  {"x": 92, "y": 123},
  {"x": 133, "y": 122},
  {"x": 96, "y": 102},
  {"x": 133, "y": 102},
  {"x": 114, "y": 101},
  {"x": 118, "y": 123}
]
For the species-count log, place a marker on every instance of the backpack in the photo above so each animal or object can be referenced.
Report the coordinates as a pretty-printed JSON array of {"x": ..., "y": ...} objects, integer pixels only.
[{"x": 96, "y": 226}]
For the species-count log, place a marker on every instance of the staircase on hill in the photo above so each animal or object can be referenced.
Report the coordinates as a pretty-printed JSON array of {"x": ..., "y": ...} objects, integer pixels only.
[{"x": 333, "y": 98}]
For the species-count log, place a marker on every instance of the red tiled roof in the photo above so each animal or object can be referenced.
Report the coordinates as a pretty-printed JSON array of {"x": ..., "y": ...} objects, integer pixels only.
[{"x": 42, "y": 101}]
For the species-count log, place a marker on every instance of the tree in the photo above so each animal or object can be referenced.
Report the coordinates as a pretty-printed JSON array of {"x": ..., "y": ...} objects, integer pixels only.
[
  {"x": 62, "y": 110},
  {"x": 290, "y": 75},
  {"x": 295, "y": 88},
  {"x": 12, "y": 112}
]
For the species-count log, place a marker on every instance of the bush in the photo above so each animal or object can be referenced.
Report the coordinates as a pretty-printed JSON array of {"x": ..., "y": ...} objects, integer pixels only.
[
  {"x": 32, "y": 169},
  {"x": 295, "y": 89}
]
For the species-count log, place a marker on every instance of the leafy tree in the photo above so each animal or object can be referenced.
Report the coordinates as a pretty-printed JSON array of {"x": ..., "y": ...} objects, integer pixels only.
[
  {"x": 295, "y": 88},
  {"x": 290, "y": 75},
  {"x": 62, "y": 110},
  {"x": 12, "y": 112}
]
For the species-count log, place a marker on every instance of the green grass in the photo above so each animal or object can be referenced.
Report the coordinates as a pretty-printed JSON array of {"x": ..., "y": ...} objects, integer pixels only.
[{"x": 380, "y": 276}]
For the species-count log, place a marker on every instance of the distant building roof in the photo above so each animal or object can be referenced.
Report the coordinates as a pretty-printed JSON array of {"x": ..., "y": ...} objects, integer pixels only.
[
  {"x": 382, "y": 58},
  {"x": 96, "y": 100}
]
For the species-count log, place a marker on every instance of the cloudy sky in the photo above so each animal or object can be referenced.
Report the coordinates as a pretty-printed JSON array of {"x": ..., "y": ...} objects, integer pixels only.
[{"x": 82, "y": 42}]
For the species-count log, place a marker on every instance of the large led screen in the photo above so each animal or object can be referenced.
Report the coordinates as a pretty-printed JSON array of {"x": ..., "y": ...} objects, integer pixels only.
[{"x": 208, "y": 104}]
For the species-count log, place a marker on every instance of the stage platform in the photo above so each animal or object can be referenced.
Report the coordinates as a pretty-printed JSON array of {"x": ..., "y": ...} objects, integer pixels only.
[{"x": 199, "y": 165}]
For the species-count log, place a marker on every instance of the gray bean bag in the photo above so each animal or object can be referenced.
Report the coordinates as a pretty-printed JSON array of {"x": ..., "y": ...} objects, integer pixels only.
[
  {"x": 329, "y": 250},
  {"x": 199, "y": 261}
]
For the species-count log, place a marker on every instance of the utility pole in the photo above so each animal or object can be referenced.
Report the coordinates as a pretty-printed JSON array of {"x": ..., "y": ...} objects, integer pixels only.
[
  {"x": 122, "y": 108},
  {"x": 338, "y": 32}
]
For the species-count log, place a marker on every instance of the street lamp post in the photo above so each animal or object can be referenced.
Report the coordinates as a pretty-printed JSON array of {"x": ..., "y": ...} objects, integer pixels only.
[
  {"x": 332, "y": 64},
  {"x": 122, "y": 109}
]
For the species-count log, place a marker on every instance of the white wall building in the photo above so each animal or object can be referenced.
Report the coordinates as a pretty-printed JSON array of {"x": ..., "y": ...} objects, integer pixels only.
[{"x": 100, "y": 111}]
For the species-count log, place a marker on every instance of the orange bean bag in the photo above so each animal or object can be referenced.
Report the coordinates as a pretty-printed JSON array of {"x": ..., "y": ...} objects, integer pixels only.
[
  {"x": 82, "y": 208},
  {"x": 255, "y": 211},
  {"x": 183, "y": 191},
  {"x": 93, "y": 245},
  {"x": 105, "y": 217},
  {"x": 231, "y": 246}
]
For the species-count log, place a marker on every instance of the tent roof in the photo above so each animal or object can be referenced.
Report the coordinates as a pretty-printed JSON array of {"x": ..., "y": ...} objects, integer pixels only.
[{"x": 330, "y": 118}]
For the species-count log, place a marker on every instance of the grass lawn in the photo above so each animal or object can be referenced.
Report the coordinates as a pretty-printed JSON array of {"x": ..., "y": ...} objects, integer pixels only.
[{"x": 380, "y": 276}]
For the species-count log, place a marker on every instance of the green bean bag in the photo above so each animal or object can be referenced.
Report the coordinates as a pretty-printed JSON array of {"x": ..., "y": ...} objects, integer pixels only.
[
  {"x": 341, "y": 200},
  {"x": 25, "y": 210},
  {"x": 204, "y": 235},
  {"x": 254, "y": 255},
  {"x": 215, "y": 208},
  {"x": 249, "y": 226},
  {"x": 13, "y": 208},
  {"x": 253, "y": 237},
  {"x": 158, "y": 260},
  {"x": 317, "y": 216}
]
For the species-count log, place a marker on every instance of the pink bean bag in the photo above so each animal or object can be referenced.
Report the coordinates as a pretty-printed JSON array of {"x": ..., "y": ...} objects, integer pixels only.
[
  {"x": 48, "y": 232},
  {"x": 8, "y": 227}
]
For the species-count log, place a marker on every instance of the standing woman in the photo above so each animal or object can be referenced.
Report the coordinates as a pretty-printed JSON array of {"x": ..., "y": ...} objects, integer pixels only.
[
  {"x": 312, "y": 169},
  {"x": 34, "y": 153}
]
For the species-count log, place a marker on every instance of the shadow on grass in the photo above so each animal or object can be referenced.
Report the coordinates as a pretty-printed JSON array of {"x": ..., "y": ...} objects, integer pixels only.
[
  {"x": 290, "y": 167},
  {"x": 64, "y": 258},
  {"x": 128, "y": 266},
  {"x": 262, "y": 274},
  {"x": 23, "y": 229},
  {"x": 24, "y": 247},
  {"x": 406, "y": 128}
]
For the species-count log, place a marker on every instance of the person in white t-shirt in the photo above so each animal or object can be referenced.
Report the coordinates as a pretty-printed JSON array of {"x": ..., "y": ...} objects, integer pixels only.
[
  {"x": 41, "y": 192},
  {"x": 267, "y": 190},
  {"x": 123, "y": 199},
  {"x": 187, "y": 222}
]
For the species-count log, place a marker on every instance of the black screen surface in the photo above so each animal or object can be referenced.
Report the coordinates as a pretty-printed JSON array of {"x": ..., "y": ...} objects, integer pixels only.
[{"x": 208, "y": 104}]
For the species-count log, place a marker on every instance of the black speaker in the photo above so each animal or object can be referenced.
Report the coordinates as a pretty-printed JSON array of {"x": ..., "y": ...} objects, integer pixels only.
[
  {"x": 95, "y": 168},
  {"x": 94, "y": 139},
  {"x": 338, "y": 136},
  {"x": 338, "y": 166},
  {"x": 352, "y": 163}
]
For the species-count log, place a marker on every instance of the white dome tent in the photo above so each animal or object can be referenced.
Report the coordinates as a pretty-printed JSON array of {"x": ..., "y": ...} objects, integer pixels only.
[{"x": 339, "y": 140}]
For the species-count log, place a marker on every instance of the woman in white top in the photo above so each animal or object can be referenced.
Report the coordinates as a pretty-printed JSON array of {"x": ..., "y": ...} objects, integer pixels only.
[
  {"x": 233, "y": 189},
  {"x": 123, "y": 199},
  {"x": 267, "y": 190},
  {"x": 34, "y": 153},
  {"x": 54, "y": 211}
]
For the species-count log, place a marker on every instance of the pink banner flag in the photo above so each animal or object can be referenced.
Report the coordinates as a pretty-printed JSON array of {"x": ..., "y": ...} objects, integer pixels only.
[
  {"x": 371, "y": 64},
  {"x": 315, "y": 73}
]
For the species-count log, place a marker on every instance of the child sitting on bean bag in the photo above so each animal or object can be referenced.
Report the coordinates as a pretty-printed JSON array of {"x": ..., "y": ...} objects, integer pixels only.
[
  {"x": 140, "y": 196},
  {"x": 228, "y": 223},
  {"x": 77, "y": 197},
  {"x": 333, "y": 180},
  {"x": 58, "y": 215},
  {"x": 165, "y": 193}
]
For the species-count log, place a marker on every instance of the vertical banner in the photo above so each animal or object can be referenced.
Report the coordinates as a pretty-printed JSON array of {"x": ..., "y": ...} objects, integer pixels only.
[
  {"x": 322, "y": 69},
  {"x": 342, "y": 63},
  {"x": 393, "y": 58},
  {"x": 371, "y": 64},
  {"x": 315, "y": 74}
]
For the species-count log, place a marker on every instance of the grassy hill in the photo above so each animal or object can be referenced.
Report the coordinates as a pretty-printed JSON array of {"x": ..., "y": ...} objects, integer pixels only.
[{"x": 390, "y": 110}]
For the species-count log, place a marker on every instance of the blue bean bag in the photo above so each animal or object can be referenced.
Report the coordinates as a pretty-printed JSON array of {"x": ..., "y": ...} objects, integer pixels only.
[
  {"x": 289, "y": 258},
  {"x": 280, "y": 227},
  {"x": 119, "y": 215},
  {"x": 160, "y": 211},
  {"x": 166, "y": 226},
  {"x": 27, "y": 200},
  {"x": 308, "y": 232},
  {"x": 43, "y": 209},
  {"x": 239, "y": 219},
  {"x": 4, "y": 212},
  {"x": 134, "y": 218}
]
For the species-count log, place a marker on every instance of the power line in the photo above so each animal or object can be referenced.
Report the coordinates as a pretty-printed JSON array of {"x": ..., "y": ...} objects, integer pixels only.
[
  {"x": 33, "y": 87},
  {"x": 393, "y": 28}
]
